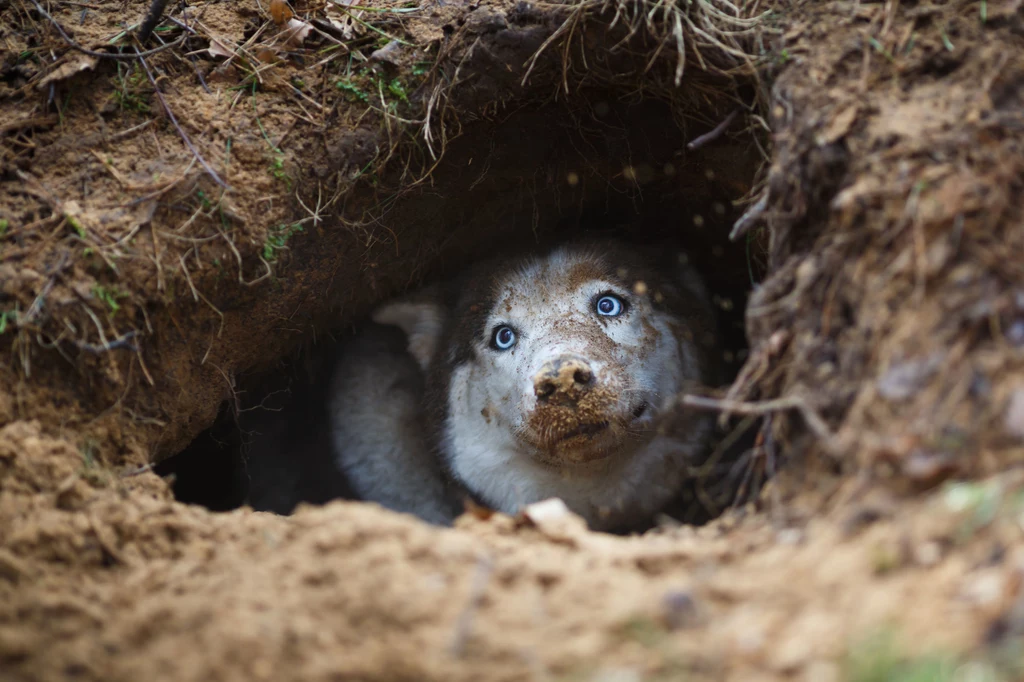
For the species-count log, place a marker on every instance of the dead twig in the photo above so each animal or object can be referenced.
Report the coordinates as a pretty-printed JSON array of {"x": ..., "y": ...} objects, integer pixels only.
[
  {"x": 121, "y": 342},
  {"x": 103, "y": 340},
  {"x": 153, "y": 17},
  {"x": 812, "y": 418},
  {"x": 715, "y": 132},
  {"x": 31, "y": 122},
  {"x": 40, "y": 299},
  {"x": 102, "y": 55}
]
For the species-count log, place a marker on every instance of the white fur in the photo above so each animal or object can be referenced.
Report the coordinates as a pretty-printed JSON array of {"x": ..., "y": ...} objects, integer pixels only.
[
  {"x": 421, "y": 322},
  {"x": 645, "y": 361}
]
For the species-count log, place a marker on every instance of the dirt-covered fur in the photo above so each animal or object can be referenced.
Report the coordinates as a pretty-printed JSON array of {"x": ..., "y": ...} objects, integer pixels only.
[{"x": 545, "y": 377}]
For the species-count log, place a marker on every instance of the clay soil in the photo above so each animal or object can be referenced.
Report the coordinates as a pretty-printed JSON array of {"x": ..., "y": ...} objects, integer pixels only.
[{"x": 175, "y": 224}]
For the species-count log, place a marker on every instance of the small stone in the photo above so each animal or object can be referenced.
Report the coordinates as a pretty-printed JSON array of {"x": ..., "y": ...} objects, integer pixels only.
[
  {"x": 928, "y": 554},
  {"x": 790, "y": 536},
  {"x": 984, "y": 589},
  {"x": 679, "y": 610}
]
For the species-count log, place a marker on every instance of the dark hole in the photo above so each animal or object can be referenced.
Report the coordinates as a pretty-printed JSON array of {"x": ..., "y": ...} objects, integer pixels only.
[
  {"x": 210, "y": 470},
  {"x": 620, "y": 168}
]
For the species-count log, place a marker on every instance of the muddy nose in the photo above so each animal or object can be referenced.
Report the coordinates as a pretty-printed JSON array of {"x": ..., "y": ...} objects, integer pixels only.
[{"x": 567, "y": 376}]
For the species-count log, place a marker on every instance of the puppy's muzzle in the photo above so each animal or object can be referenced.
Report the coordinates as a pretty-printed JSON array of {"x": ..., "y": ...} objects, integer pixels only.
[{"x": 563, "y": 380}]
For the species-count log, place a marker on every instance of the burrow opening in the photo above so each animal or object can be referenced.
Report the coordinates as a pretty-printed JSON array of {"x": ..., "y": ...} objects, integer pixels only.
[{"x": 609, "y": 164}]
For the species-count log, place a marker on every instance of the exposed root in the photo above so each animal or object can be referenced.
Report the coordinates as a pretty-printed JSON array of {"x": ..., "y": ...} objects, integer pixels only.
[
  {"x": 727, "y": 407},
  {"x": 714, "y": 134}
]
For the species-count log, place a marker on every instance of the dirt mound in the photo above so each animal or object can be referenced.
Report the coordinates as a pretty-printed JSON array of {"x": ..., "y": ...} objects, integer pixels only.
[
  {"x": 171, "y": 223},
  {"x": 108, "y": 578}
]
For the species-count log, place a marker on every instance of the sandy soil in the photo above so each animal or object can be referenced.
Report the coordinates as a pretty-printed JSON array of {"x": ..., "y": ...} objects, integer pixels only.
[{"x": 108, "y": 578}]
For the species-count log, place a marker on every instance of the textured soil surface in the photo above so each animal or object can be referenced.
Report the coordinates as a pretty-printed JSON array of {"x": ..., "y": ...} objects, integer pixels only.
[
  {"x": 173, "y": 226},
  {"x": 107, "y": 578}
]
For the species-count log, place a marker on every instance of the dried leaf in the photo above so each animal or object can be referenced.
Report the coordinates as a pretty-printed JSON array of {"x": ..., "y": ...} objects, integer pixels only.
[
  {"x": 296, "y": 31},
  {"x": 345, "y": 22},
  {"x": 476, "y": 510},
  {"x": 544, "y": 512},
  {"x": 226, "y": 73},
  {"x": 280, "y": 12},
  {"x": 390, "y": 53},
  {"x": 219, "y": 49},
  {"x": 864, "y": 190},
  {"x": 840, "y": 125},
  {"x": 267, "y": 55},
  {"x": 554, "y": 520},
  {"x": 928, "y": 469},
  {"x": 77, "y": 64},
  {"x": 344, "y": 27}
]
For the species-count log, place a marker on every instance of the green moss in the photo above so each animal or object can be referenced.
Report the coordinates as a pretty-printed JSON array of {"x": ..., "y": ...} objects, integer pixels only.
[
  {"x": 109, "y": 296},
  {"x": 277, "y": 239}
]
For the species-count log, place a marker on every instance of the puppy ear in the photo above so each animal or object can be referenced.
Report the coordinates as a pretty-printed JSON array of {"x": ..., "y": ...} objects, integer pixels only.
[{"x": 422, "y": 320}]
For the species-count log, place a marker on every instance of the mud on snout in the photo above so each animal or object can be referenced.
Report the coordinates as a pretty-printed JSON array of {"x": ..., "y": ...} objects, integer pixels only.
[{"x": 579, "y": 410}]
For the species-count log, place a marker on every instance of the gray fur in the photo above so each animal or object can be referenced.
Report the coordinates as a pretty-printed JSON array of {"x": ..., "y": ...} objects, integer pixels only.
[
  {"x": 377, "y": 427},
  {"x": 480, "y": 443}
]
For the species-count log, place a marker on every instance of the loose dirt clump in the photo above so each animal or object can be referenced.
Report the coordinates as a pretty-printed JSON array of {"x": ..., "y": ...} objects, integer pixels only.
[{"x": 265, "y": 173}]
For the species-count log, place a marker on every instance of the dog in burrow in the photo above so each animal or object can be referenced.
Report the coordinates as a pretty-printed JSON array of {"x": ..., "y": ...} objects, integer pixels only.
[{"x": 530, "y": 378}]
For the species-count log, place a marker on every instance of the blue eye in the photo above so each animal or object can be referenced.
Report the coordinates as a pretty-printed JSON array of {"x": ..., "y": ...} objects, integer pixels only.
[
  {"x": 609, "y": 306},
  {"x": 504, "y": 338}
]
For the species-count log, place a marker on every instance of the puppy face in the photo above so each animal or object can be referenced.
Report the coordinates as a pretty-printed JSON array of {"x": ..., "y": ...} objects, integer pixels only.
[
  {"x": 560, "y": 362},
  {"x": 571, "y": 359}
]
